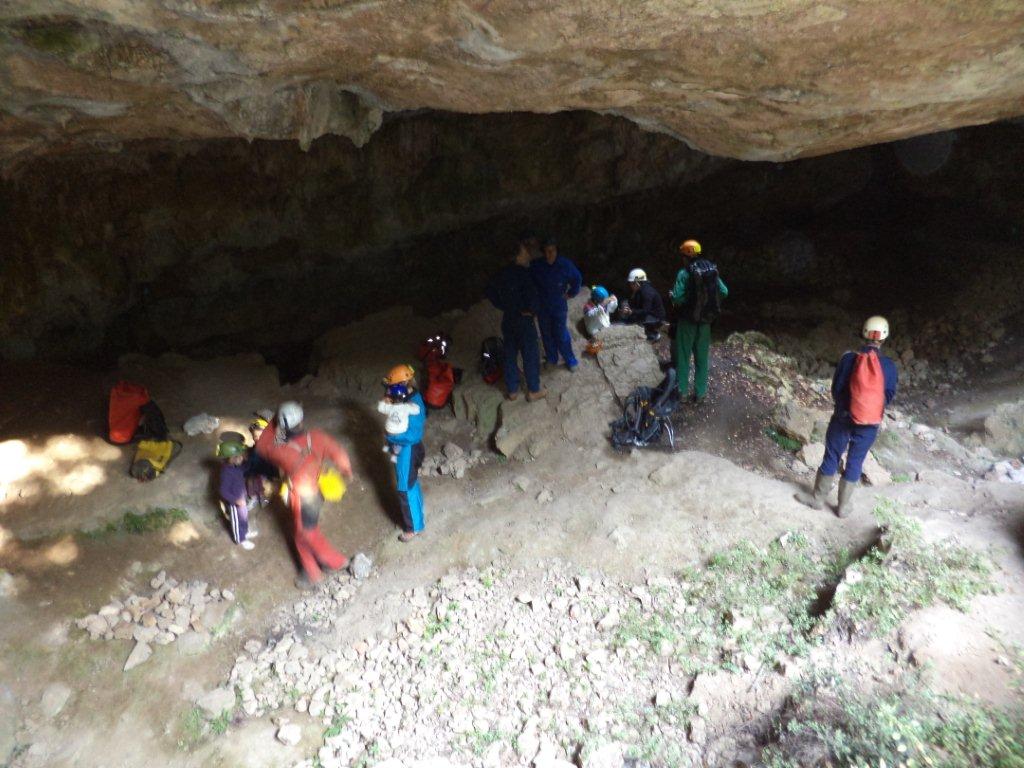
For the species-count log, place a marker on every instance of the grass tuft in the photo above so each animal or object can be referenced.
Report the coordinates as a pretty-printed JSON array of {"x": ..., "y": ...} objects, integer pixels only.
[{"x": 136, "y": 523}]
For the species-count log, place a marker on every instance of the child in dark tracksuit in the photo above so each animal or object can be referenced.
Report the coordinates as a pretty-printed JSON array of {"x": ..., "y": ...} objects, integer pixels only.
[
  {"x": 233, "y": 491},
  {"x": 844, "y": 435}
]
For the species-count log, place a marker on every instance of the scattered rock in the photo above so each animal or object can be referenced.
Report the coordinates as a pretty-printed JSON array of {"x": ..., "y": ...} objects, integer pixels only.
[
  {"x": 289, "y": 734},
  {"x": 545, "y": 497},
  {"x": 812, "y": 455},
  {"x": 54, "y": 699},
  {"x": 361, "y": 566},
  {"x": 140, "y": 654},
  {"x": 214, "y": 703},
  {"x": 201, "y": 423}
]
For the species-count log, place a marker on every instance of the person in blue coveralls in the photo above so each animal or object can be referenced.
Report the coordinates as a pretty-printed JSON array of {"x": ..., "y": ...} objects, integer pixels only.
[
  {"x": 513, "y": 292},
  {"x": 557, "y": 279},
  {"x": 410, "y": 453}
]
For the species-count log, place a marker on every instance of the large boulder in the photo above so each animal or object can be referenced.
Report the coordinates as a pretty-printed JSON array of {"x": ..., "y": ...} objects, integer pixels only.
[{"x": 1004, "y": 429}]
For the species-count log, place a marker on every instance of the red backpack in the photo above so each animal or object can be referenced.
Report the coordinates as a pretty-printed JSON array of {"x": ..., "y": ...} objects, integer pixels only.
[
  {"x": 440, "y": 382},
  {"x": 126, "y": 401},
  {"x": 867, "y": 389}
]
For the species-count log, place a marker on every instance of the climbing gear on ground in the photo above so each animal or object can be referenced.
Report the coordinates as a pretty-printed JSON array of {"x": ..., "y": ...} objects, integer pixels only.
[
  {"x": 636, "y": 276},
  {"x": 867, "y": 389},
  {"x": 846, "y": 489},
  {"x": 646, "y": 415},
  {"x": 876, "y": 328},
  {"x": 492, "y": 358},
  {"x": 703, "y": 302},
  {"x": 227, "y": 450},
  {"x": 332, "y": 485},
  {"x": 400, "y": 374},
  {"x": 290, "y": 415},
  {"x": 817, "y": 497},
  {"x": 152, "y": 457},
  {"x": 598, "y": 294},
  {"x": 690, "y": 248}
]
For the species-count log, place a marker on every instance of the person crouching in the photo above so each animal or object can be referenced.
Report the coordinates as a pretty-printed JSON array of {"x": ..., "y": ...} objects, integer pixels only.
[{"x": 597, "y": 315}]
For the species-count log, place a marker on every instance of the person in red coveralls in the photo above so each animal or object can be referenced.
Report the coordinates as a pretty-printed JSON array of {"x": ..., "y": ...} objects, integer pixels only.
[{"x": 300, "y": 454}]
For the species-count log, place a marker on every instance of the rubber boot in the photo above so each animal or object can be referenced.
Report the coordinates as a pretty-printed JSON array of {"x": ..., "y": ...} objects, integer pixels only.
[
  {"x": 845, "y": 498},
  {"x": 822, "y": 488}
]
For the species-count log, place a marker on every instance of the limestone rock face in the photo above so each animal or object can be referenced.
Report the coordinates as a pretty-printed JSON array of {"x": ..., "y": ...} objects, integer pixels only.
[{"x": 745, "y": 78}]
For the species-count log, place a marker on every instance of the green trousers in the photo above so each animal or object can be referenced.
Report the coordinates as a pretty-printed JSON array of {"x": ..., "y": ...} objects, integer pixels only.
[{"x": 693, "y": 340}]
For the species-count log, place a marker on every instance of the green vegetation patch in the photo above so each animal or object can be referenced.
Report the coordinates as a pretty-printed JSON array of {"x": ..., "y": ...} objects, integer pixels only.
[
  {"x": 904, "y": 572},
  {"x": 785, "y": 442},
  {"x": 156, "y": 519},
  {"x": 830, "y": 722}
]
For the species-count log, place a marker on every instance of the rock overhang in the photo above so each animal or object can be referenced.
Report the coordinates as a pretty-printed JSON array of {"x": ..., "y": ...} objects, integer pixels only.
[{"x": 751, "y": 80}]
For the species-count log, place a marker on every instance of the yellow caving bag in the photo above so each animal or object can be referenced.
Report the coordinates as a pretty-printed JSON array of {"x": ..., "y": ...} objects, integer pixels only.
[
  {"x": 332, "y": 485},
  {"x": 152, "y": 457}
]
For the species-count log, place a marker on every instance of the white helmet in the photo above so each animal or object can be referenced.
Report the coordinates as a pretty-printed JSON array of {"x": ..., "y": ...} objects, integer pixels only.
[
  {"x": 876, "y": 328},
  {"x": 637, "y": 275},
  {"x": 289, "y": 415}
]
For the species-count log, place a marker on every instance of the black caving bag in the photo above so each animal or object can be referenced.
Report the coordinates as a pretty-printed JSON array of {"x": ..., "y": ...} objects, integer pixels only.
[
  {"x": 647, "y": 415},
  {"x": 703, "y": 303}
]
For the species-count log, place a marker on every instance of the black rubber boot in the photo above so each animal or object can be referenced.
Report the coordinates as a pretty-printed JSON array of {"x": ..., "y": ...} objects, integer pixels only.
[
  {"x": 822, "y": 488},
  {"x": 845, "y": 498}
]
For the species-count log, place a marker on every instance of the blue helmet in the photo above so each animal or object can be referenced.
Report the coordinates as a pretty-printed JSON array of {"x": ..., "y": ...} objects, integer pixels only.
[
  {"x": 398, "y": 391},
  {"x": 599, "y": 293}
]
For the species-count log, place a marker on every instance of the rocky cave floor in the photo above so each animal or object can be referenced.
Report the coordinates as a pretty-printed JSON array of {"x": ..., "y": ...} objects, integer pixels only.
[{"x": 567, "y": 604}]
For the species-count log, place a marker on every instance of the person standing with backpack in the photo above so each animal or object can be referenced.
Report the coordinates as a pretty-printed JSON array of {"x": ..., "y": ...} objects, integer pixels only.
[
  {"x": 697, "y": 297},
  {"x": 863, "y": 385}
]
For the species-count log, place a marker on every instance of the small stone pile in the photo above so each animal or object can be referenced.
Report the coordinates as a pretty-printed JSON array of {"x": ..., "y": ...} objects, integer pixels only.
[
  {"x": 452, "y": 461},
  {"x": 493, "y": 668},
  {"x": 175, "y": 610}
]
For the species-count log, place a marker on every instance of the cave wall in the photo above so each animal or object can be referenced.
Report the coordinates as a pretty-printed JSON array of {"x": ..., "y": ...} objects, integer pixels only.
[{"x": 210, "y": 247}]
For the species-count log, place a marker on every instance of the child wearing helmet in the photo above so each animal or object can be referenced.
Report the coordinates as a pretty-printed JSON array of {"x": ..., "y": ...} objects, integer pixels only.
[
  {"x": 232, "y": 453},
  {"x": 597, "y": 312},
  {"x": 396, "y": 406},
  {"x": 258, "y": 471}
]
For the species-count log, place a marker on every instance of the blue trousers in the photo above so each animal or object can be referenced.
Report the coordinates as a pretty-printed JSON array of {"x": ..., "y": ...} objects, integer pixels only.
[
  {"x": 855, "y": 440},
  {"x": 554, "y": 332},
  {"x": 519, "y": 336},
  {"x": 410, "y": 497}
]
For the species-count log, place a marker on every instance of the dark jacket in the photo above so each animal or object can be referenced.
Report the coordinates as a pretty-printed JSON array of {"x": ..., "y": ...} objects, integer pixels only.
[
  {"x": 232, "y": 482},
  {"x": 513, "y": 291},
  {"x": 647, "y": 305},
  {"x": 841, "y": 379},
  {"x": 555, "y": 282}
]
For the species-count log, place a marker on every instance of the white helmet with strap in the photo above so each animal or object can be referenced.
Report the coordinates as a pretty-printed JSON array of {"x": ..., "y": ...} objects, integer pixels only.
[
  {"x": 289, "y": 415},
  {"x": 637, "y": 275},
  {"x": 876, "y": 328}
]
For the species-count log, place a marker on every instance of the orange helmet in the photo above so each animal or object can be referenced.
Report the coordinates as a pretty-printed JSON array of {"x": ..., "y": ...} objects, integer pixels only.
[
  {"x": 690, "y": 248},
  {"x": 400, "y": 374}
]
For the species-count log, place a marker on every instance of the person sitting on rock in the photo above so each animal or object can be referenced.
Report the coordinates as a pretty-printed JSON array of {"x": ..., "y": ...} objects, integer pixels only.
[
  {"x": 645, "y": 306},
  {"x": 863, "y": 385},
  {"x": 597, "y": 315},
  {"x": 232, "y": 488},
  {"x": 301, "y": 455}
]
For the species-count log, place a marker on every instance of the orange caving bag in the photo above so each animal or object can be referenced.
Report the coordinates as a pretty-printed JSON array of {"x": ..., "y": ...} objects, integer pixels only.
[
  {"x": 867, "y": 389},
  {"x": 126, "y": 401}
]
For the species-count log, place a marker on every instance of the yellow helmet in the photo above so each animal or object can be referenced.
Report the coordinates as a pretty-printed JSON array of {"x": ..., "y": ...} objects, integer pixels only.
[
  {"x": 876, "y": 328},
  {"x": 400, "y": 374},
  {"x": 690, "y": 248}
]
